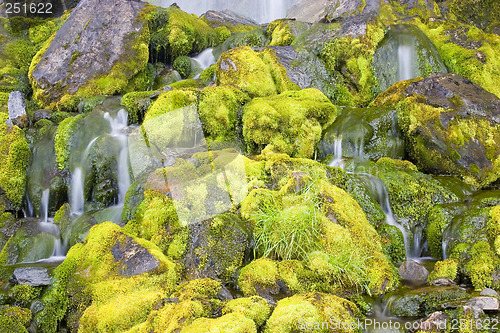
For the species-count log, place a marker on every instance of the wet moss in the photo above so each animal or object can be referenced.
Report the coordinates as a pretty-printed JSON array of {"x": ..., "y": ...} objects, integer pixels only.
[
  {"x": 444, "y": 269},
  {"x": 62, "y": 140},
  {"x": 24, "y": 294},
  {"x": 283, "y": 32},
  {"x": 255, "y": 308},
  {"x": 171, "y": 100},
  {"x": 392, "y": 241},
  {"x": 232, "y": 322},
  {"x": 14, "y": 319},
  {"x": 256, "y": 73},
  {"x": 290, "y": 123},
  {"x": 15, "y": 154},
  {"x": 137, "y": 104},
  {"x": 301, "y": 312},
  {"x": 182, "y": 64}
]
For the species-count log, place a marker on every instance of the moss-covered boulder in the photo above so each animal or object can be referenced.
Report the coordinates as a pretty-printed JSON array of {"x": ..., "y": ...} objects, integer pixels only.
[
  {"x": 484, "y": 14},
  {"x": 284, "y": 31},
  {"x": 111, "y": 281},
  {"x": 308, "y": 311},
  {"x": 15, "y": 154},
  {"x": 67, "y": 67},
  {"x": 291, "y": 123},
  {"x": 451, "y": 127},
  {"x": 256, "y": 73},
  {"x": 14, "y": 319}
]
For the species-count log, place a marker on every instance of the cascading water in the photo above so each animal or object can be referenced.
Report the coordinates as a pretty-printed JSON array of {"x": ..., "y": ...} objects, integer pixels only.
[
  {"x": 77, "y": 196},
  {"x": 407, "y": 66},
  {"x": 204, "y": 60},
  {"x": 262, "y": 11},
  {"x": 337, "y": 153}
]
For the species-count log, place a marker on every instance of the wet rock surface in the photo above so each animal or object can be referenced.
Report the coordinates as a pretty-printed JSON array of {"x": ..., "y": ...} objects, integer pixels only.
[
  {"x": 17, "y": 109},
  {"x": 227, "y": 16},
  {"x": 32, "y": 276},
  {"x": 97, "y": 36},
  {"x": 134, "y": 259},
  {"x": 413, "y": 272}
]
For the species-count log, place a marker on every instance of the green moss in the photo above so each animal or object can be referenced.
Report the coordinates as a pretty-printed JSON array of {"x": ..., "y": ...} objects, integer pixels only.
[
  {"x": 261, "y": 273},
  {"x": 182, "y": 64},
  {"x": 254, "y": 308},
  {"x": 281, "y": 33},
  {"x": 231, "y": 323},
  {"x": 40, "y": 33},
  {"x": 482, "y": 266},
  {"x": 218, "y": 109},
  {"x": 189, "y": 83},
  {"x": 20, "y": 53},
  {"x": 170, "y": 101},
  {"x": 177, "y": 33},
  {"x": 15, "y": 154},
  {"x": 62, "y": 140},
  {"x": 297, "y": 312},
  {"x": 256, "y": 73},
  {"x": 291, "y": 123},
  {"x": 252, "y": 38},
  {"x": 141, "y": 81},
  {"x": 444, "y": 269},
  {"x": 137, "y": 104},
  {"x": 208, "y": 75},
  {"x": 24, "y": 294},
  {"x": 14, "y": 319},
  {"x": 223, "y": 33},
  {"x": 89, "y": 290},
  {"x": 485, "y": 14},
  {"x": 392, "y": 241}
]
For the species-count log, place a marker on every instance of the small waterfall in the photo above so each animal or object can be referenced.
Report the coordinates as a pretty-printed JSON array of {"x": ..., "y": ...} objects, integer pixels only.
[
  {"x": 77, "y": 200},
  {"x": 205, "y": 59},
  {"x": 417, "y": 242},
  {"x": 383, "y": 198},
  {"x": 407, "y": 66},
  {"x": 117, "y": 125},
  {"x": 45, "y": 205},
  {"x": 337, "y": 153}
]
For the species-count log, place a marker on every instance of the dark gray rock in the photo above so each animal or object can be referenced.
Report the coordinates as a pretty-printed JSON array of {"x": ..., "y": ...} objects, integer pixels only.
[
  {"x": 33, "y": 276},
  {"x": 488, "y": 292},
  {"x": 134, "y": 259},
  {"x": 216, "y": 18},
  {"x": 17, "y": 109},
  {"x": 485, "y": 303},
  {"x": 413, "y": 272},
  {"x": 41, "y": 114},
  {"x": 97, "y": 36},
  {"x": 207, "y": 256}
]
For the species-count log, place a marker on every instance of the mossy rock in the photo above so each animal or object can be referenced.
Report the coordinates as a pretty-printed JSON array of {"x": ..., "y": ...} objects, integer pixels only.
[
  {"x": 137, "y": 104},
  {"x": 256, "y": 73},
  {"x": 80, "y": 72},
  {"x": 231, "y": 323},
  {"x": 423, "y": 301},
  {"x": 283, "y": 32},
  {"x": 182, "y": 65},
  {"x": 100, "y": 286},
  {"x": 455, "y": 134},
  {"x": 15, "y": 154},
  {"x": 170, "y": 101},
  {"x": 291, "y": 122},
  {"x": 484, "y": 14},
  {"x": 255, "y": 308},
  {"x": 444, "y": 269},
  {"x": 253, "y": 38},
  {"x": 176, "y": 33},
  {"x": 308, "y": 311},
  {"x": 14, "y": 319}
]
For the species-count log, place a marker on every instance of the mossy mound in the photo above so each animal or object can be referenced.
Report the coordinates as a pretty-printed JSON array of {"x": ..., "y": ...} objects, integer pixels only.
[
  {"x": 15, "y": 154},
  {"x": 170, "y": 101},
  {"x": 175, "y": 33},
  {"x": 110, "y": 282},
  {"x": 14, "y": 319},
  {"x": 444, "y": 269},
  {"x": 255, "y": 308},
  {"x": 256, "y": 73},
  {"x": 284, "y": 32},
  {"x": 291, "y": 122},
  {"x": 484, "y": 14},
  {"x": 311, "y": 311}
]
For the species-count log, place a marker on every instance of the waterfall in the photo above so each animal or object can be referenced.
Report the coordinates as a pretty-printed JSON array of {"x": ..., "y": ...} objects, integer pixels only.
[
  {"x": 262, "y": 11},
  {"x": 383, "y": 198},
  {"x": 203, "y": 60},
  {"x": 45, "y": 205},
  {"x": 406, "y": 58},
  {"x": 77, "y": 199},
  {"x": 337, "y": 153}
]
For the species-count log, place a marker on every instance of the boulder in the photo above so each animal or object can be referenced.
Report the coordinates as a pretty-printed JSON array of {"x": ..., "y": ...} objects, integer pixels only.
[
  {"x": 227, "y": 16},
  {"x": 413, "y": 272},
  {"x": 488, "y": 292},
  {"x": 485, "y": 303},
  {"x": 134, "y": 259},
  {"x": 32, "y": 276},
  {"x": 17, "y": 109},
  {"x": 452, "y": 126},
  {"x": 95, "y": 52}
]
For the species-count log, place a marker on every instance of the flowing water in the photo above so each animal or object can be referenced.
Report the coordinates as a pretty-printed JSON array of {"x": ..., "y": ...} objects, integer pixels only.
[
  {"x": 202, "y": 61},
  {"x": 262, "y": 11}
]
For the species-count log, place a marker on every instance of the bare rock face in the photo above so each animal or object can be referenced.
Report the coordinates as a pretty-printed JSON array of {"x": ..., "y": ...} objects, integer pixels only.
[
  {"x": 134, "y": 258},
  {"x": 228, "y": 16},
  {"x": 96, "y": 51},
  {"x": 17, "y": 109}
]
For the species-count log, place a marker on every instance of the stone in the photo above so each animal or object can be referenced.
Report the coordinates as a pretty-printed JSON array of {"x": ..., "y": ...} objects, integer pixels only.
[
  {"x": 134, "y": 259},
  {"x": 99, "y": 41},
  {"x": 488, "y": 292},
  {"x": 443, "y": 281},
  {"x": 485, "y": 303},
  {"x": 32, "y": 276},
  {"x": 41, "y": 114},
  {"x": 436, "y": 321},
  {"x": 17, "y": 109},
  {"x": 413, "y": 272},
  {"x": 227, "y": 16}
]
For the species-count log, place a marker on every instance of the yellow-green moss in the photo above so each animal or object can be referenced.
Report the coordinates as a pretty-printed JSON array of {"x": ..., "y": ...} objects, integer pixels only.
[
  {"x": 218, "y": 109},
  {"x": 229, "y": 323},
  {"x": 62, "y": 140},
  {"x": 255, "y": 308},
  {"x": 14, "y": 319},
  {"x": 256, "y": 73},
  {"x": 301, "y": 312},
  {"x": 260, "y": 273},
  {"x": 15, "y": 155},
  {"x": 444, "y": 269},
  {"x": 280, "y": 32},
  {"x": 24, "y": 294},
  {"x": 171, "y": 100},
  {"x": 291, "y": 122}
]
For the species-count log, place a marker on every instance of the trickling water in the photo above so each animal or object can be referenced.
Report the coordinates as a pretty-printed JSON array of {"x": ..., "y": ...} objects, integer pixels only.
[
  {"x": 205, "y": 58},
  {"x": 77, "y": 199},
  {"x": 260, "y": 10},
  {"x": 417, "y": 242},
  {"x": 407, "y": 67},
  {"x": 117, "y": 125},
  {"x": 383, "y": 198},
  {"x": 337, "y": 153},
  {"x": 45, "y": 205}
]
